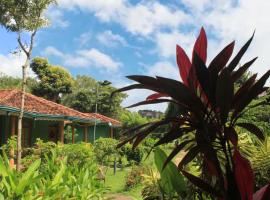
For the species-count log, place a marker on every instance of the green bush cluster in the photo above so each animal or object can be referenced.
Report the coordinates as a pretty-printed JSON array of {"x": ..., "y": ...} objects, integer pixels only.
[
  {"x": 52, "y": 175},
  {"x": 106, "y": 152},
  {"x": 134, "y": 177}
]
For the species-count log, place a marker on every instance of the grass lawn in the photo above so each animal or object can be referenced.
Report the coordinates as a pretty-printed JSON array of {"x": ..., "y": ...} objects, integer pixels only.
[{"x": 116, "y": 183}]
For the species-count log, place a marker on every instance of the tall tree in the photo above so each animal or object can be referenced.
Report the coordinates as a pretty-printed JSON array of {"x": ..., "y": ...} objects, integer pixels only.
[
  {"x": 84, "y": 97},
  {"x": 53, "y": 80},
  {"x": 23, "y": 16}
]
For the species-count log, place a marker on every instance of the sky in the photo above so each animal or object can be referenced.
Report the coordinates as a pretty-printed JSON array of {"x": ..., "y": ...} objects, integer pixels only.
[{"x": 110, "y": 39}]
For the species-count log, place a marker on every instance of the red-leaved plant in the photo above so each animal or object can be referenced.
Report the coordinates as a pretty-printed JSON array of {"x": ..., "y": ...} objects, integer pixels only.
[{"x": 210, "y": 111}]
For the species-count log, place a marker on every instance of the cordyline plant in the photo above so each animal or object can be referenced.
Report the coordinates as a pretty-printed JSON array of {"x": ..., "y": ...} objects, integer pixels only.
[{"x": 210, "y": 110}]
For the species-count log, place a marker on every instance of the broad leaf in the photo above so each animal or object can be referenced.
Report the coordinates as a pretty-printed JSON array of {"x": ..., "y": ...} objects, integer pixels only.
[
  {"x": 253, "y": 129},
  {"x": 191, "y": 154},
  {"x": 239, "y": 55},
  {"x": 201, "y": 184},
  {"x": 183, "y": 63},
  {"x": 156, "y": 96},
  {"x": 243, "y": 175},
  {"x": 237, "y": 74},
  {"x": 224, "y": 94},
  {"x": 263, "y": 193},
  {"x": 170, "y": 176},
  {"x": 200, "y": 46}
]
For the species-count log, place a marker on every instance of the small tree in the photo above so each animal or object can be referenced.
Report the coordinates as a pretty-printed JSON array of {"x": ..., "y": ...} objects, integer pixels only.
[
  {"x": 53, "y": 80},
  {"x": 23, "y": 16}
]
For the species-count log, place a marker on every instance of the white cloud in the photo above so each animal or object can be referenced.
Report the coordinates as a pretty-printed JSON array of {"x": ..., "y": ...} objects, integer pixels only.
[
  {"x": 164, "y": 69},
  {"x": 100, "y": 59},
  {"x": 11, "y": 65},
  {"x": 109, "y": 39},
  {"x": 166, "y": 43},
  {"x": 238, "y": 22},
  {"x": 56, "y": 18},
  {"x": 85, "y": 58},
  {"x": 143, "y": 18},
  {"x": 52, "y": 51},
  {"x": 83, "y": 39}
]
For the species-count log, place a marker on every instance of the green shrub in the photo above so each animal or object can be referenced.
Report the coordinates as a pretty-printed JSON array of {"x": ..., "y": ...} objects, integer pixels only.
[
  {"x": 105, "y": 150},
  {"x": 77, "y": 154},
  {"x": 56, "y": 179},
  {"x": 134, "y": 177},
  {"x": 134, "y": 156}
]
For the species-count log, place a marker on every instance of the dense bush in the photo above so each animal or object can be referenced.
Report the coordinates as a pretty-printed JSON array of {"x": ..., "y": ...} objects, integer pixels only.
[
  {"x": 105, "y": 150},
  {"x": 134, "y": 156},
  {"x": 134, "y": 177},
  {"x": 54, "y": 180}
]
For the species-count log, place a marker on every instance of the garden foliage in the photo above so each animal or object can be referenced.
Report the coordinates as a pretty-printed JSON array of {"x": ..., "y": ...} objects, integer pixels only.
[{"x": 209, "y": 112}]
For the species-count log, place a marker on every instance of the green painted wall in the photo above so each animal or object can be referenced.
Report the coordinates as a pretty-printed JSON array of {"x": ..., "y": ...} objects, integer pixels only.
[
  {"x": 101, "y": 131},
  {"x": 4, "y": 128},
  {"x": 40, "y": 130}
]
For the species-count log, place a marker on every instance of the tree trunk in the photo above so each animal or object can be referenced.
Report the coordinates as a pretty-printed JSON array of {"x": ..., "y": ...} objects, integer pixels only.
[
  {"x": 24, "y": 78},
  {"x": 20, "y": 118}
]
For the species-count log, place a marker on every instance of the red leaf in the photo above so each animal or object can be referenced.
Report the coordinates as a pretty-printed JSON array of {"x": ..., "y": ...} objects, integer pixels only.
[
  {"x": 156, "y": 96},
  {"x": 183, "y": 63},
  {"x": 200, "y": 46},
  {"x": 243, "y": 176},
  {"x": 263, "y": 193},
  {"x": 210, "y": 166}
]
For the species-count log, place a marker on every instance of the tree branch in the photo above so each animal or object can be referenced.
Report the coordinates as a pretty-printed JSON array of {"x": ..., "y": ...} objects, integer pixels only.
[
  {"x": 21, "y": 44},
  {"x": 32, "y": 41}
]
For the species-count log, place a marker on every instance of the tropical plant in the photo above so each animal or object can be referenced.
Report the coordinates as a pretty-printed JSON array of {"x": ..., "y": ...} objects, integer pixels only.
[
  {"x": 209, "y": 113},
  {"x": 14, "y": 185},
  {"x": 257, "y": 152}
]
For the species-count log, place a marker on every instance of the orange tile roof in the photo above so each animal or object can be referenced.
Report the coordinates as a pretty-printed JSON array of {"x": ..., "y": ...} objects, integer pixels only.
[
  {"x": 106, "y": 119},
  {"x": 34, "y": 104}
]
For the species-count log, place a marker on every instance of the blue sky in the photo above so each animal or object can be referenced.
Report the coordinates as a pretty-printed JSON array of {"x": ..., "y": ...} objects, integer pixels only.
[{"x": 114, "y": 38}]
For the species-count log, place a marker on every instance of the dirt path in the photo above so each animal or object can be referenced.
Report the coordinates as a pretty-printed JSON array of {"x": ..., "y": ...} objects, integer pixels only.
[{"x": 119, "y": 197}]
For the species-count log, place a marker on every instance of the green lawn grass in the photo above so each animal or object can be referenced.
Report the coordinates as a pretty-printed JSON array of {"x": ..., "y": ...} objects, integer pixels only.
[{"x": 116, "y": 183}]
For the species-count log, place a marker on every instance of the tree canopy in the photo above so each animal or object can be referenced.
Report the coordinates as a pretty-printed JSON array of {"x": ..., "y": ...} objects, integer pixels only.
[
  {"x": 53, "y": 80},
  {"x": 23, "y": 15},
  {"x": 84, "y": 97}
]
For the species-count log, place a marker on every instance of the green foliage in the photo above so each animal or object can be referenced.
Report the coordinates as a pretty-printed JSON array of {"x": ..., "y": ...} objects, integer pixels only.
[
  {"x": 55, "y": 172},
  {"x": 27, "y": 15},
  {"x": 15, "y": 185},
  {"x": 258, "y": 153},
  {"x": 134, "y": 177},
  {"x": 105, "y": 150},
  {"x": 210, "y": 111},
  {"x": 171, "y": 181},
  {"x": 53, "y": 80},
  {"x": 9, "y": 82},
  {"x": 131, "y": 119},
  {"x": 134, "y": 156},
  {"x": 83, "y": 97}
]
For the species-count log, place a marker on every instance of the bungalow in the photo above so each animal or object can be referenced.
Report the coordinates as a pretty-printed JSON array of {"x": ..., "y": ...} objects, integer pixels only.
[{"x": 47, "y": 120}]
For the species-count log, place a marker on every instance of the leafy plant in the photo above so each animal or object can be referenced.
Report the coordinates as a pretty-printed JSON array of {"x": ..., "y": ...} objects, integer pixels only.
[
  {"x": 134, "y": 156},
  {"x": 14, "y": 185},
  {"x": 105, "y": 150},
  {"x": 135, "y": 176},
  {"x": 209, "y": 112}
]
